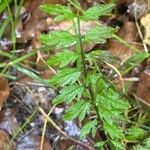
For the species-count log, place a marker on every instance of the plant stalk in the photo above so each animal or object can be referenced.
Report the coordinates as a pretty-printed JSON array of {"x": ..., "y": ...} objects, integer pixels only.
[{"x": 83, "y": 67}]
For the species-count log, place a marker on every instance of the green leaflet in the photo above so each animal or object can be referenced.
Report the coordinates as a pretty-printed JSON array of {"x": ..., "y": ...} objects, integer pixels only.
[
  {"x": 89, "y": 126},
  {"x": 62, "y": 12},
  {"x": 100, "y": 144},
  {"x": 112, "y": 130},
  {"x": 103, "y": 55},
  {"x": 99, "y": 34},
  {"x": 68, "y": 94},
  {"x": 63, "y": 58},
  {"x": 135, "y": 133},
  {"x": 95, "y": 12},
  {"x": 118, "y": 145},
  {"x": 112, "y": 100},
  {"x": 133, "y": 62},
  {"x": 75, "y": 110},
  {"x": 85, "y": 111},
  {"x": 59, "y": 39},
  {"x": 65, "y": 76},
  {"x": 108, "y": 114}
]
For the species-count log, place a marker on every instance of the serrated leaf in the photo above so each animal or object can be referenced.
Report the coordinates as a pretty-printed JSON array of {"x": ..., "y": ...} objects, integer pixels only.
[
  {"x": 111, "y": 105},
  {"x": 74, "y": 111},
  {"x": 65, "y": 76},
  {"x": 103, "y": 55},
  {"x": 61, "y": 12},
  {"x": 118, "y": 145},
  {"x": 107, "y": 114},
  {"x": 59, "y": 39},
  {"x": 135, "y": 133},
  {"x": 113, "y": 100},
  {"x": 100, "y": 144},
  {"x": 95, "y": 12},
  {"x": 63, "y": 58},
  {"x": 113, "y": 130},
  {"x": 133, "y": 62},
  {"x": 68, "y": 94},
  {"x": 109, "y": 95},
  {"x": 99, "y": 34},
  {"x": 86, "y": 129},
  {"x": 85, "y": 111}
]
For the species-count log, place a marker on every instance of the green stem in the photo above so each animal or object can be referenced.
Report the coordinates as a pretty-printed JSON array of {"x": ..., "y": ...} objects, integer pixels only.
[
  {"x": 83, "y": 67},
  {"x": 81, "y": 59}
]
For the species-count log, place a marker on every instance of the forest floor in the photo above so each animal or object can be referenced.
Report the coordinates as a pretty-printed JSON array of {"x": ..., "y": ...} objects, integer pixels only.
[{"x": 26, "y": 102}]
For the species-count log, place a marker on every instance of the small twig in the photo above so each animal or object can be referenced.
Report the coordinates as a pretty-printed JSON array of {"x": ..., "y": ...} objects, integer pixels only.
[
  {"x": 138, "y": 28},
  {"x": 44, "y": 128},
  {"x": 62, "y": 132},
  {"x": 120, "y": 76},
  {"x": 132, "y": 79}
]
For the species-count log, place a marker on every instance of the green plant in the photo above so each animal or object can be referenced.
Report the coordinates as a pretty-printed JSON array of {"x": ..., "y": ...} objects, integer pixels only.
[{"x": 83, "y": 86}]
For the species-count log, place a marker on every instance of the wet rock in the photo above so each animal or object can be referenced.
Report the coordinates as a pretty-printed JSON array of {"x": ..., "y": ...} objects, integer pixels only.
[
  {"x": 5, "y": 44},
  {"x": 137, "y": 8},
  {"x": 8, "y": 121},
  {"x": 33, "y": 143}
]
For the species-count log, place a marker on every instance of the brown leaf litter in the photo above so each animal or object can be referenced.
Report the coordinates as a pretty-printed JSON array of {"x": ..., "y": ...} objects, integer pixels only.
[{"x": 4, "y": 91}]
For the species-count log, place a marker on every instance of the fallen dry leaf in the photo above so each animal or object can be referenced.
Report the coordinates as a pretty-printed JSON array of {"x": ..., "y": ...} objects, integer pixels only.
[
  {"x": 128, "y": 32},
  {"x": 4, "y": 91},
  {"x": 37, "y": 20},
  {"x": 145, "y": 21},
  {"x": 5, "y": 140},
  {"x": 143, "y": 88}
]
